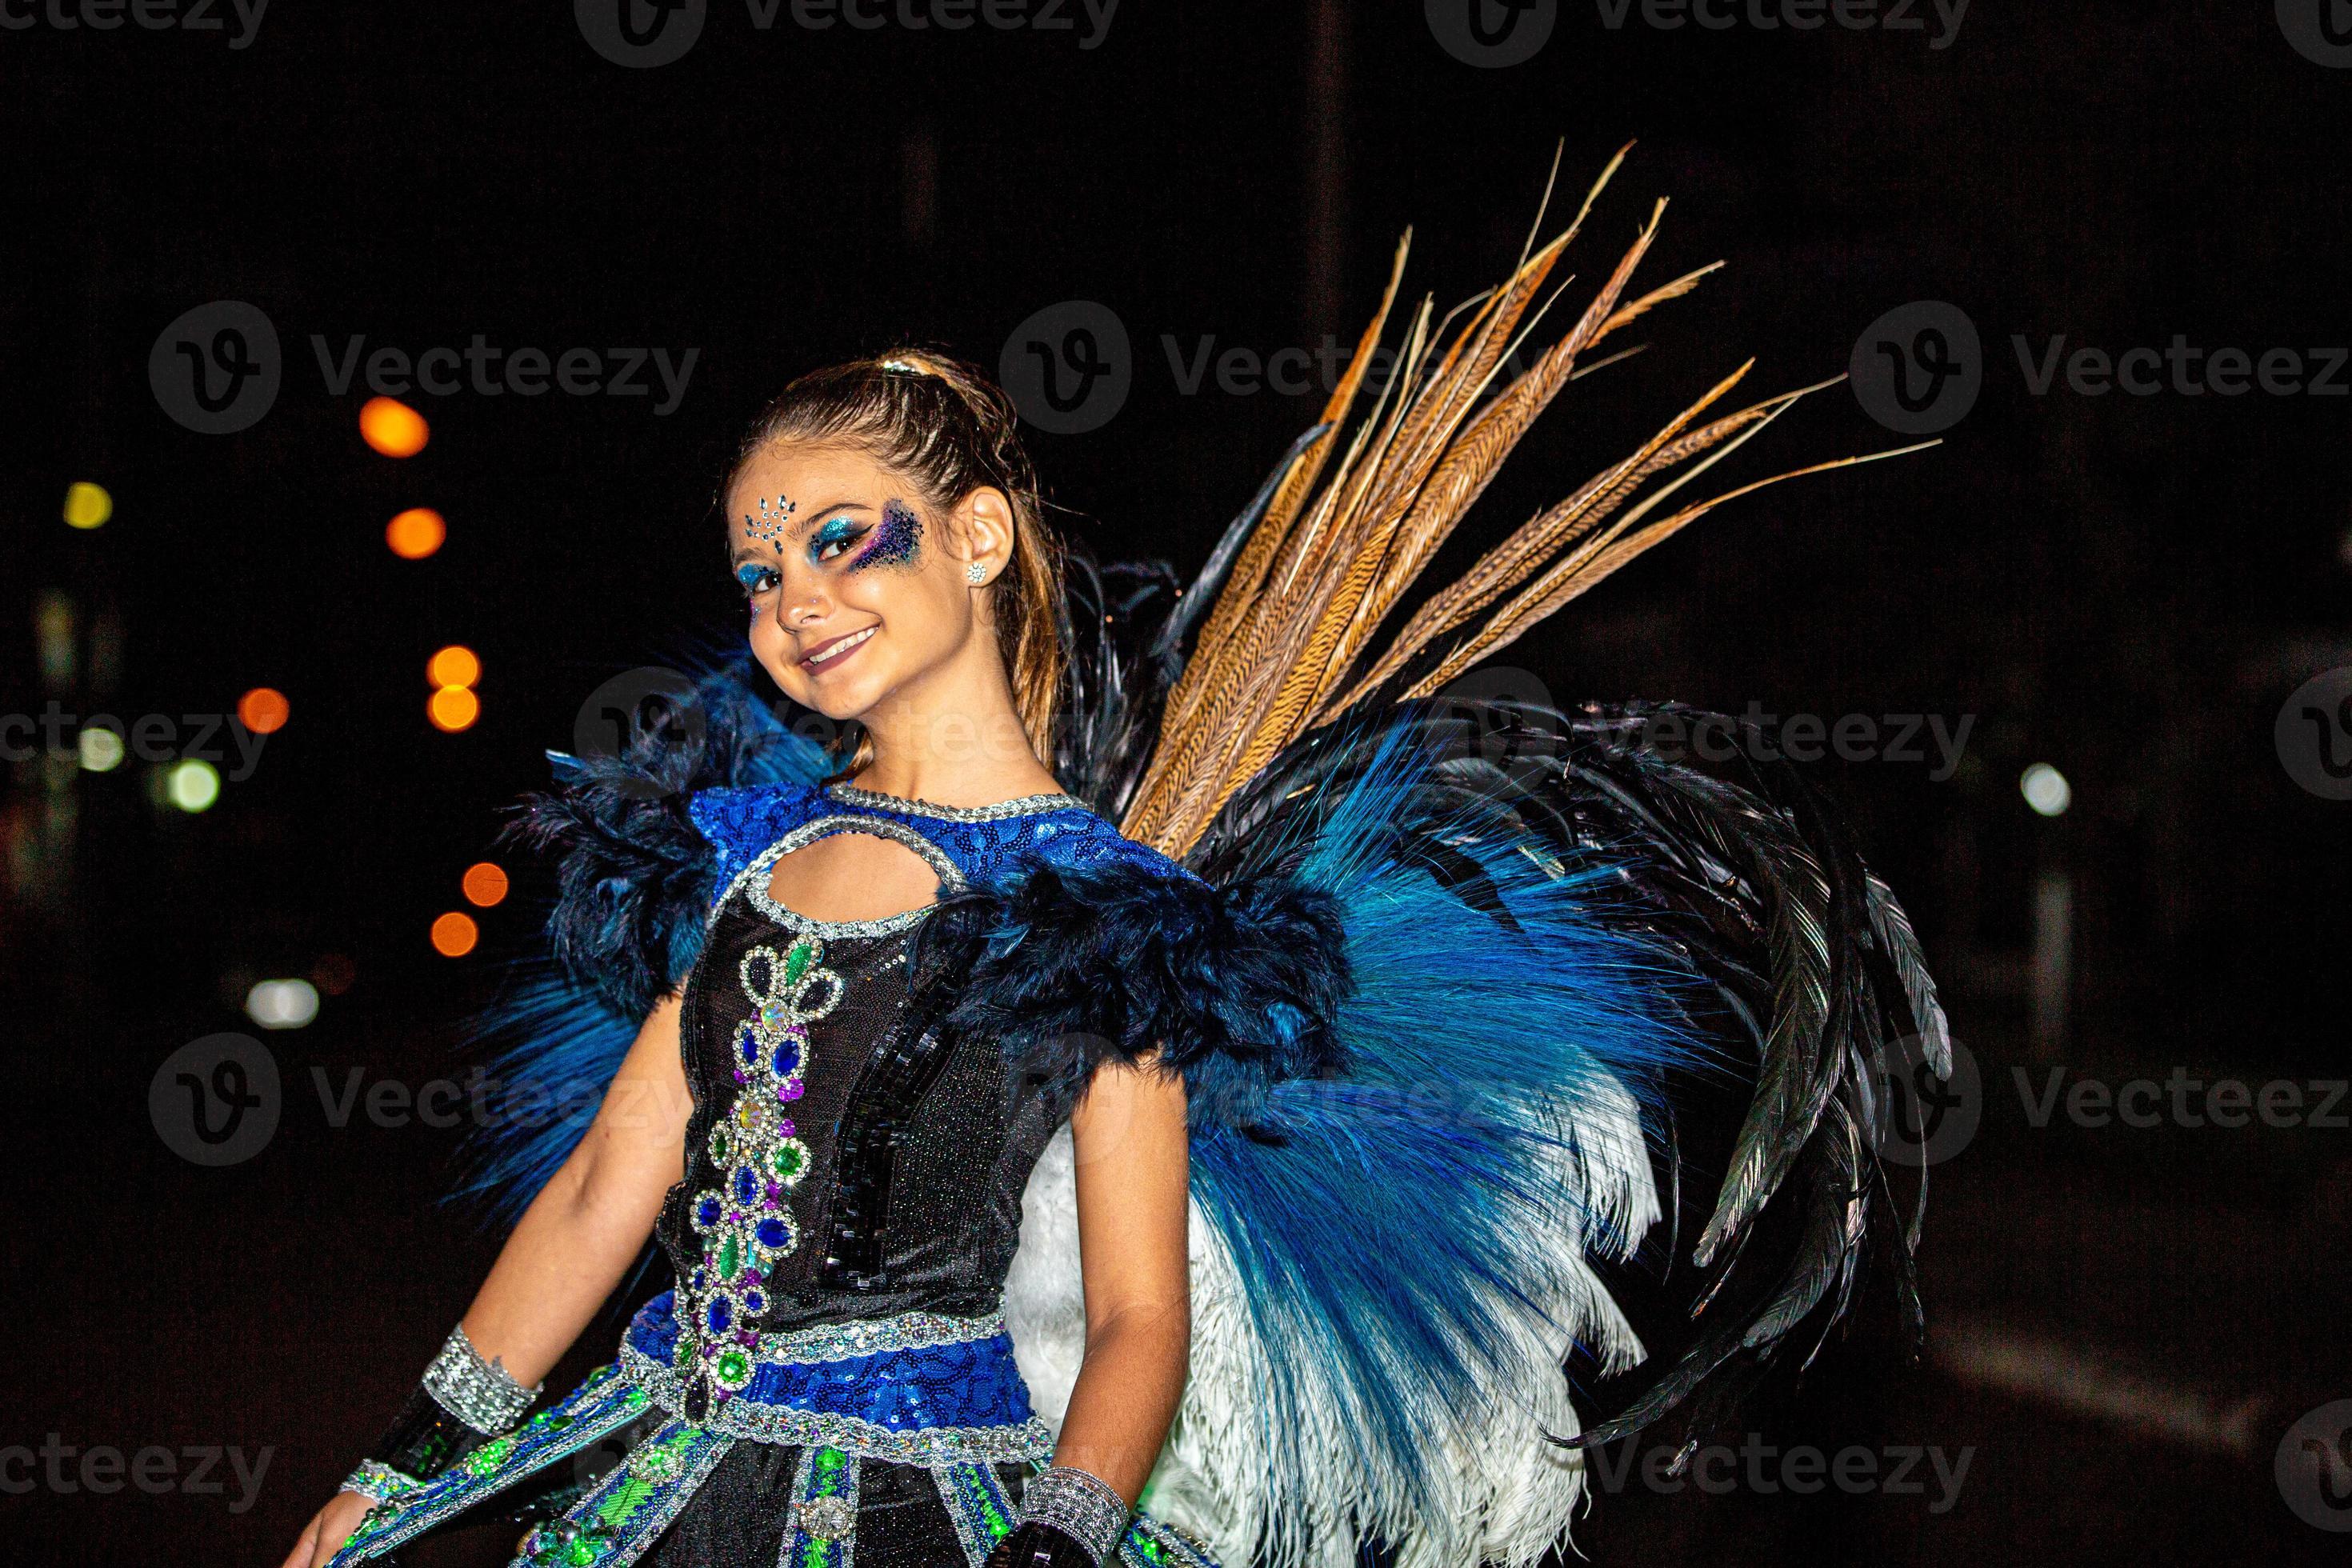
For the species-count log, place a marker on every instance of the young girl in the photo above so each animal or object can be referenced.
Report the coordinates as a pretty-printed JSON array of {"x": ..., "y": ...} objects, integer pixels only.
[
  {"x": 884, "y": 526},
  {"x": 1039, "y": 1191}
]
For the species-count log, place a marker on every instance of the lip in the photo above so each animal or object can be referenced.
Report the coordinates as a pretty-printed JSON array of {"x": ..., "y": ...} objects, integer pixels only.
[{"x": 836, "y": 661}]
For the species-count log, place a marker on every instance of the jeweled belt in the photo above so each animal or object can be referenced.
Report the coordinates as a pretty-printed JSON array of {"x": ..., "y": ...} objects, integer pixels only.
[{"x": 920, "y": 1388}]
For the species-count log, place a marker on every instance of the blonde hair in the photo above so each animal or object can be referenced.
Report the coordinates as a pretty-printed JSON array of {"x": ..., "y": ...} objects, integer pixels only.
[{"x": 945, "y": 424}]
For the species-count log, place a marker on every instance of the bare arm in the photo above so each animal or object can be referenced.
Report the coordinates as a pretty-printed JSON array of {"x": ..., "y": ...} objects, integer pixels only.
[
  {"x": 582, "y": 1233},
  {"x": 1132, "y": 1186},
  {"x": 574, "y": 1242}
]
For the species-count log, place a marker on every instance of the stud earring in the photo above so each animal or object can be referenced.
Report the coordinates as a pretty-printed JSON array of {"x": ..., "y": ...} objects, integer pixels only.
[{"x": 976, "y": 572}]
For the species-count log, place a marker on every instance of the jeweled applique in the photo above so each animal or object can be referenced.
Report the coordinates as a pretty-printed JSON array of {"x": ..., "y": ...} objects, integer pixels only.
[{"x": 745, "y": 1222}]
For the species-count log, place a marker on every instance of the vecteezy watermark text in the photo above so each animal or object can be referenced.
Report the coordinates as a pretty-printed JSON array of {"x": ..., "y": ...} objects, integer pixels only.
[
  {"x": 1796, "y": 15},
  {"x": 643, "y": 34},
  {"x": 151, "y": 737},
  {"x": 526, "y": 371},
  {"x": 194, "y": 1468},
  {"x": 219, "y": 1101},
  {"x": 2180, "y": 1100},
  {"x": 216, "y": 369},
  {"x": 151, "y": 16},
  {"x": 1767, "y": 1469},
  {"x": 1764, "y": 737}
]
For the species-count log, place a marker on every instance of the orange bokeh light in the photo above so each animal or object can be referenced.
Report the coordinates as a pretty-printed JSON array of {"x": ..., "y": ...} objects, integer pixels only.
[
  {"x": 455, "y": 934},
  {"x": 415, "y": 534},
  {"x": 392, "y": 428},
  {"x": 263, "y": 710},
  {"x": 453, "y": 666},
  {"x": 484, "y": 884},
  {"x": 453, "y": 708}
]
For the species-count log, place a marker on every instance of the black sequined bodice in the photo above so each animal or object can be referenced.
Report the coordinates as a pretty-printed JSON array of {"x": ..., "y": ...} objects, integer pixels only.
[{"x": 904, "y": 1193}]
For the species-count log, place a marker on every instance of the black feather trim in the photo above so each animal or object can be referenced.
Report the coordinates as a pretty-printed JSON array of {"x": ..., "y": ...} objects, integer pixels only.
[
  {"x": 1237, "y": 986},
  {"x": 634, "y": 875}
]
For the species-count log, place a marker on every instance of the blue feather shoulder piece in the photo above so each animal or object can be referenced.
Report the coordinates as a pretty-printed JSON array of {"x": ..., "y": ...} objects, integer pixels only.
[{"x": 634, "y": 875}]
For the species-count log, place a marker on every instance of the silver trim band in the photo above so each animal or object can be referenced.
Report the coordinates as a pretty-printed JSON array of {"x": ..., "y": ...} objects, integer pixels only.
[
  {"x": 1080, "y": 1504},
  {"x": 481, "y": 1393},
  {"x": 753, "y": 879},
  {"x": 1020, "y": 805}
]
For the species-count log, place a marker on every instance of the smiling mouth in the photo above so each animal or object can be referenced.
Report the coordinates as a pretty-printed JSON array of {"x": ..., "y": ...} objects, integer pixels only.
[{"x": 825, "y": 655}]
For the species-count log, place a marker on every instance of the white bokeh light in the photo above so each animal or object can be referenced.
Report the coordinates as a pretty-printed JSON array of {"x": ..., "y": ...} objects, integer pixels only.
[
  {"x": 282, "y": 1003},
  {"x": 2046, "y": 790}
]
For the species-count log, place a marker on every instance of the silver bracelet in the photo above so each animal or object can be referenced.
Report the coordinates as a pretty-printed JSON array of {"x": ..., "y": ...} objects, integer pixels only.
[
  {"x": 481, "y": 1393},
  {"x": 379, "y": 1482},
  {"x": 1082, "y": 1506}
]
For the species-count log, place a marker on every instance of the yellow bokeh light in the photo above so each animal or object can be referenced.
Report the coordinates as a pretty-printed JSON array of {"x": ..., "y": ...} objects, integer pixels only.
[
  {"x": 416, "y": 533},
  {"x": 453, "y": 666},
  {"x": 453, "y": 708},
  {"x": 392, "y": 428},
  {"x": 263, "y": 710},
  {"x": 192, "y": 785},
  {"x": 455, "y": 934},
  {"x": 484, "y": 884},
  {"x": 87, "y": 505},
  {"x": 101, "y": 749}
]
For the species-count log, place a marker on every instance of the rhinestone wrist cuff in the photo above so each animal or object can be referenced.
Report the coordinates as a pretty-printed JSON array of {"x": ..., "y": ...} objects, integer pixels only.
[
  {"x": 379, "y": 1482},
  {"x": 481, "y": 1393},
  {"x": 1081, "y": 1505}
]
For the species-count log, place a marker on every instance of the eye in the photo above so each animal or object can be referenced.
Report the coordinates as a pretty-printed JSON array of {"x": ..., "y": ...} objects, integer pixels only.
[
  {"x": 756, "y": 579},
  {"x": 837, "y": 535}
]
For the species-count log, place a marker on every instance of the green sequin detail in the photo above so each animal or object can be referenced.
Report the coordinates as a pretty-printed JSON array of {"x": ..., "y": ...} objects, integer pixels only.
[{"x": 490, "y": 1455}]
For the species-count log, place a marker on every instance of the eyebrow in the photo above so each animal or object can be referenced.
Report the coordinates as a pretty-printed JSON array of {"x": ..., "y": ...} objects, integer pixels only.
[{"x": 736, "y": 555}]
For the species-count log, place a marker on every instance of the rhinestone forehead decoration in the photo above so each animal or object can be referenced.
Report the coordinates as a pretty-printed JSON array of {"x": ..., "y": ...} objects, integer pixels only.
[{"x": 769, "y": 526}]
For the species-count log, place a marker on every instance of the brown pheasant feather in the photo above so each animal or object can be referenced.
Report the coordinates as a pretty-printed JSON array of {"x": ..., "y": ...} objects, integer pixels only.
[{"x": 1287, "y": 644}]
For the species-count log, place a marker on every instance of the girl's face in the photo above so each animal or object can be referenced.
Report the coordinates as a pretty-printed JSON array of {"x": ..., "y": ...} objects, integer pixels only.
[{"x": 856, "y": 587}]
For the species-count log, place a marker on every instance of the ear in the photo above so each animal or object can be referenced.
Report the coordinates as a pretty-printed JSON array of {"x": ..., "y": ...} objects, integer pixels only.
[{"x": 985, "y": 526}]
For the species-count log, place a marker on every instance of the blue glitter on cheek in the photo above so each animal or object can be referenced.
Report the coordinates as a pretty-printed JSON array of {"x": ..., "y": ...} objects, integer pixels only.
[{"x": 894, "y": 540}]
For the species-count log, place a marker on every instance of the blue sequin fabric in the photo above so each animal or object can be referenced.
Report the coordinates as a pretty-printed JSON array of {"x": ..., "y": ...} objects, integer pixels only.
[
  {"x": 742, "y": 822},
  {"x": 932, "y": 1391}
]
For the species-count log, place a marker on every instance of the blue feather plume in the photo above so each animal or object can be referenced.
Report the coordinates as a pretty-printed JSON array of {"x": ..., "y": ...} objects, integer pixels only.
[
  {"x": 1387, "y": 1226},
  {"x": 633, "y": 882}
]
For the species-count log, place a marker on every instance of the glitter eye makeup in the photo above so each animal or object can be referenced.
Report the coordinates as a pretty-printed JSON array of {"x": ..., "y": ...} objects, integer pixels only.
[
  {"x": 768, "y": 527},
  {"x": 894, "y": 540}
]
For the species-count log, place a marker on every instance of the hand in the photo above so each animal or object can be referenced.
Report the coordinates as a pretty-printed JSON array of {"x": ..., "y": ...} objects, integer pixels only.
[
  {"x": 1038, "y": 1546},
  {"x": 327, "y": 1528}
]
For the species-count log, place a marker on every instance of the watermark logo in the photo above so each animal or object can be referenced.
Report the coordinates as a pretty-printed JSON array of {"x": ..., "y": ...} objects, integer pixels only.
[
  {"x": 2180, "y": 1100},
  {"x": 645, "y": 701},
  {"x": 215, "y": 1101},
  {"x": 1768, "y": 1469},
  {"x": 2314, "y": 1467},
  {"x": 1890, "y": 17},
  {"x": 195, "y": 1469},
  {"x": 215, "y": 369},
  {"x": 101, "y": 740},
  {"x": 640, "y": 34},
  {"x": 1917, "y": 369},
  {"x": 1921, "y": 1118},
  {"x": 1491, "y": 34},
  {"x": 1069, "y": 368},
  {"x": 2320, "y": 30},
  {"x": 2313, "y": 735},
  {"x": 2180, "y": 368},
  {"x": 151, "y": 16}
]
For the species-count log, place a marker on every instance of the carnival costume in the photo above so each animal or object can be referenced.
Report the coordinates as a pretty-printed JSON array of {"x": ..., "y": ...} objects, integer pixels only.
[{"x": 1432, "y": 968}]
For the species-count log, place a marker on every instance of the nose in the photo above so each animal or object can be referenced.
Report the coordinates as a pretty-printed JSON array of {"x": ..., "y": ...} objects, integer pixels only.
[{"x": 801, "y": 601}]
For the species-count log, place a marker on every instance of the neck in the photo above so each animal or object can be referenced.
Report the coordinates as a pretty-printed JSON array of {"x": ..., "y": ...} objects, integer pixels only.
[{"x": 955, "y": 740}]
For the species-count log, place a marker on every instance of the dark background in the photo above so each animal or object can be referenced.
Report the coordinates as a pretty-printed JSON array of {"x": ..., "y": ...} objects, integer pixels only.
[{"x": 2127, "y": 1320}]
